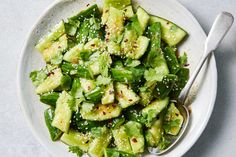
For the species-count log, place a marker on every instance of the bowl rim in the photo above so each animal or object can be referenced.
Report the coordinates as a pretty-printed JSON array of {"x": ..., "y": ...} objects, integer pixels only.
[{"x": 23, "y": 53}]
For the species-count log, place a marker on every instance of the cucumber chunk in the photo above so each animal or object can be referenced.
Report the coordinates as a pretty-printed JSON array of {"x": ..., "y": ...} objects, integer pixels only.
[
  {"x": 52, "y": 82},
  {"x": 100, "y": 143},
  {"x": 109, "y": 95},
  {"x": 134, "y": 131},
  {"x": 73, "y": 54},
  {"x": 121, "y": 140},
  {"x": 55, "y": 133},
  {"x": 171, "y": 33},
  {"x": 146, "y": 93},
  {"x": 101, "y": 112},
  {"x": 55, "y": 34},
  {"x": 140, "y": 47},
  {"x": 173, "y": 120},
  {"x": 53, "y": 54},
  {"x": 143, "y": 18},
  {"x": 74, "y": 138},
  {"x": 154, "y": 108},
  {"x": 154, "y": 133},
  {"x": 115, "y": 25},
  {"x": 118, "y": 4},
  {"x": 63, "y": 112},
  {"x": 127, "y": 43},
  {"x": 128, "y": 12},
  {"x": 171, "y": 60},
  {"x": 125, "y": 96},
  {"x": 87, "y": 85}
]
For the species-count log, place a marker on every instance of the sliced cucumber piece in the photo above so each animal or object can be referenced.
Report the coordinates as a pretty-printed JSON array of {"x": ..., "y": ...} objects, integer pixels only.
[
  {"x": 109, "y": 95},
  {"x": 52, "y": 82},
  {"x": 63, "y": 112},
  {"x": 115, "y": 25},
  {"x": 100, "y": 143},
  {"x": 119, "y": 4},
  {"x": 101, "y": 112},
  {"x": 53, "y": 54},
  {"x": 171, "y": 33},
  {"x": 94, "y": 67},
  {"x": 154, "y": 133},
  {"x": 87, "y": 85},
  {"x": 140, "y": 47},
  {"x": 143, "y": 18},
  {"x": 74, "y": 138},
  {"x": 134, "y": 131},
  {"x": 127, "y": 43},
  {"x": 128, "y": 12},
  {"x": 173, "y": 120},
  {"x": 152, "y": 110},
  {"x": 125, "y": 96},
  {"x": 113, "y": 48},
  {"x": 73, "y": 54},
  {"x": 55, "y": 34},
  {"x": 171, "y": 60},
  {"x": 122, "y": 140},
  {"x": 94, "y": 45}
]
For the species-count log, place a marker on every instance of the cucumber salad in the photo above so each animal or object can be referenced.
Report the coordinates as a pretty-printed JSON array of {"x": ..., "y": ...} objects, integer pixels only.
[{"x": 111, "y": 79}]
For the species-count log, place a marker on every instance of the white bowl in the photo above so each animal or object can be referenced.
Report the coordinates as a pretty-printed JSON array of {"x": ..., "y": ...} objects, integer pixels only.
[{"x": 205, "y": 87}]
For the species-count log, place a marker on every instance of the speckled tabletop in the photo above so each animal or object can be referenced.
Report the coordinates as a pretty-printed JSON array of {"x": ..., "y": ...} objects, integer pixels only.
[{"x": 18, "y": 16}]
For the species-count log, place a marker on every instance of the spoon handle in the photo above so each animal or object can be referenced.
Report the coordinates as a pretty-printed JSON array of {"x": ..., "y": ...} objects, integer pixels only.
[{"x": 220, "y": 27}]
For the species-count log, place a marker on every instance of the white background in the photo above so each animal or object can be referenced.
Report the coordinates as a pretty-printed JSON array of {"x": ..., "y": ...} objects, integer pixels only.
[{"x": 16, "y": 139}]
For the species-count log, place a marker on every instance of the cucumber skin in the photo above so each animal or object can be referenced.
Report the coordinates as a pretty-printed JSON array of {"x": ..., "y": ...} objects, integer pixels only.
[
  {"x": 63, "y": 112},
  {"x": 49, "y": 98},
  {"x": 171, "y": 36},
  {"x": 171, "y": 60},
  {"x": 48, "y": 117}
]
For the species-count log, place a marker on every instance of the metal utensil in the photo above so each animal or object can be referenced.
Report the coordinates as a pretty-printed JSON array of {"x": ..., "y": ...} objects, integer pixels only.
[{"x": 219, "y": 29}]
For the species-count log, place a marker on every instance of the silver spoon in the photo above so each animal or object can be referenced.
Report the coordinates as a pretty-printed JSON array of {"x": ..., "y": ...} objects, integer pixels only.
[{"x": 220, "y": 27}]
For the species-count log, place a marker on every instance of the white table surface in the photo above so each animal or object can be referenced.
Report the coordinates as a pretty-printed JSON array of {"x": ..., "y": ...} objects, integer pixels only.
[{"x": 16, "y": 139}]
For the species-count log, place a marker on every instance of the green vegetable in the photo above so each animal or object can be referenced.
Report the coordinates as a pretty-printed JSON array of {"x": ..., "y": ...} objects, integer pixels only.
[
  {"x": 77, "y": 139},
  {"x": 125, "y": 96},
  {"x": 183, "y": 76},
  {"x": 172, "y": 34},
  {"x": 154, "y": 109},
  {"x": 164, "y": 87},
  {"x": 97, "y": 146},
  {"x": 76, "y": 150},
  {"x": 63, "y": 112},
  {"x": 171, "y": 60},
  {"x": 37, "y": 77},
  {"x": 94, "y": 95},
  {"x": 122, "y": 140},
  {"x": 49, "y": 98},
  {"x": 173, "y": 120},
  {"x": 134, "y": 131},
  {"x": 53, "y": 81},
  {"x": 48, "y": 117},
  {"x": 101, "y": 112},
  {"x": 183, "y": 60}
]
